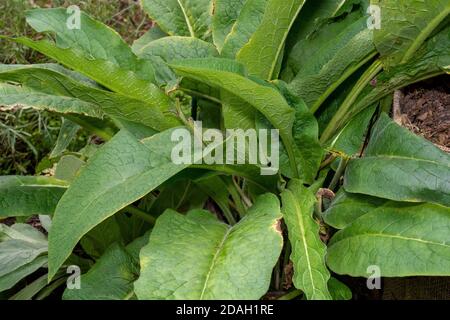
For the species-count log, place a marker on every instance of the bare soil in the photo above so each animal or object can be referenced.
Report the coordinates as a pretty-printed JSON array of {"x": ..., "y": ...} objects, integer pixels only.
[{"x": 425, "y": 110}]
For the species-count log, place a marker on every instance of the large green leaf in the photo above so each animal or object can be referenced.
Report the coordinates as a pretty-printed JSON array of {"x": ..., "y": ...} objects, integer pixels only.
[
  {"x": 198, "y": 257},
  {"x": 105, "y": 72},
  {"x": 250, "y": 18},
  {"x": 307, "y": 149},
  {"x": 225, "y": 15},
  {"x": 351, "y": 139},
  {"x": 308, "y": 251},
  {"x": 176, "y": 47},
  {"x": 406, "y": 25},
  {"x": 264, "y": 49},
  {"x": 101, "y": 237},
  {"x": 153, "y": 34},
  {"x": 347, "y": 207},
  {"x": 124, "y": 163},
  {"x": 182, "y": 17},
  {"x": 321, "y": 66},
  {"x": 53, "y": 84},
  {"x": 27, "y": 196},
  {"x": 95, "y": 40},
  {"x": 6, "y": 68},
  {"x": 12, "y": 96},
  {"x": 314, "y": 15},
  {"x": 111, "y": 278},
  {"x": 338, "y": 290},
  {"x": 264, "y": 98},
  {"x": 7, "y": 281},
  {"x": 20, "y": 245},
  {"x": 401, "y": 239},
  {"x": 237, "y": 114},
  {"x": 399, "y": 165}
]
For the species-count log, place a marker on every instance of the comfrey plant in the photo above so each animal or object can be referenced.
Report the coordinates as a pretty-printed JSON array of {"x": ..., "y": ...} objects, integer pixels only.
[{"x": 140, "y": 225}]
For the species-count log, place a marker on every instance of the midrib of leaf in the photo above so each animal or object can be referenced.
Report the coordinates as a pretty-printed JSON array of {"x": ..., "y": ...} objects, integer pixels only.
[
  {"x": 233, "y": 29},
  {"x": 395, "y": 236},
  {"x": 201, "y": 95},
  {"x": 213, "y": 262},
  {"x": 387, "y": 157},
  {"x": 14, "y": 234},
  {"x": 147, "y": 90},
  {"x": 188, "y": 22},
  {"x": 43, "y": 186},
  {"x": 124, "y": 184},
  {"x": 298, "y": 213},
  {"x": 232, "y": 32},
  {"x": 22, "y": 183},
  {"x": 52, "y": 98},
  {"x": 280, "y": 47},
  {"x": 339, "y": 6},
  {"x": 425, "y": 34}
]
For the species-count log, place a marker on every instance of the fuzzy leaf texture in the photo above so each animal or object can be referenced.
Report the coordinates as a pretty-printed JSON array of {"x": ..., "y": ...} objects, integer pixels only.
[
  {"x": 59, "y": 87},
  {"x": 20, "y": 245},
  {"x": 347, "y": 207},
  {"x": 112, "y": 276},
  {"x": 124, "y": 163},
  {"x": 406, "y": 25},
  {"x": 197, "y": 257},
  {"x": 250, "y": 18},
  {"x": 264, "y": 98},
  {"x": 264, "y": 49},
  {"x": 190, "y": 18},
  {"x": 27, "y": 196}
]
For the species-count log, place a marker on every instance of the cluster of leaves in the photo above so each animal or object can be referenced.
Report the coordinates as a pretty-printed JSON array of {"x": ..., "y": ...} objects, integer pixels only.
[
  {"x": 27, "y": 136},
  {"x": 113, "y": 13},
  {"x": 159, "y": 230}
]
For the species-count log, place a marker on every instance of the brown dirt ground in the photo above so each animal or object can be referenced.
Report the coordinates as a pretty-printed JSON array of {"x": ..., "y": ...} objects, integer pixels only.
[{"x": 425, "y": 110}]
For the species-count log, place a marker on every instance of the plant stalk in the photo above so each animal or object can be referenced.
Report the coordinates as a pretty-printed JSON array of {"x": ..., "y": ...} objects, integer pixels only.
[
  {"x": 338, "y": 119},
  {"x": 337, "y": 176},
  {"x": 341, "y": 80},
  {"x": 234, "y": 191}
]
